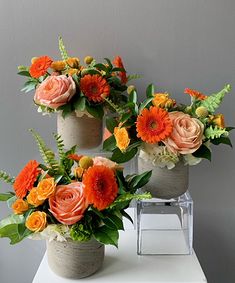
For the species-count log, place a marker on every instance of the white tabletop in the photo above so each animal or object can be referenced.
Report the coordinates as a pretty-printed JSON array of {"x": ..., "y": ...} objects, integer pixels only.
[{"x": 123, "y": 265}]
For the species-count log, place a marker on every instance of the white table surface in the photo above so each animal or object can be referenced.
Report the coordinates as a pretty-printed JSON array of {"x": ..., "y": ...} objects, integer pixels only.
[{"x": 123, "y": 265}]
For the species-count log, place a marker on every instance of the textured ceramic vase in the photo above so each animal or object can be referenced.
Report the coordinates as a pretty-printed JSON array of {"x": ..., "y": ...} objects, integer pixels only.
[
  {"x": 165, "y": 183},
  {"x": 85, "y": 132},
  {"x": 75, "y": 259}
]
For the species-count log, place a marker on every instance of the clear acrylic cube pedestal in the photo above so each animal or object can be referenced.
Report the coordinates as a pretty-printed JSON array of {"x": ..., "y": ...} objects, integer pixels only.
[{"x": 165, "y": 227}]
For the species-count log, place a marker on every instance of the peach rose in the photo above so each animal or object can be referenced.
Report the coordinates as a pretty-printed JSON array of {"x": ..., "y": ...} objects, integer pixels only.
[
  {"x": 32, "y": 198},
  {"x": 68, "y": 204},
  {"x": 187, "y": 133},
  {"x": 36, "y": 221},
  {"x": 46, "y": 188},
  {"x": 20, "y": 206},
  {"x": 55, "y": 91},
  {"x": 99, "y": 160}
]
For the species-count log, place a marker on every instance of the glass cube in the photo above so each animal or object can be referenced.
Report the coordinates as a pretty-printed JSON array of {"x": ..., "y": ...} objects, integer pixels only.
[{"x": 165, "y": 226}]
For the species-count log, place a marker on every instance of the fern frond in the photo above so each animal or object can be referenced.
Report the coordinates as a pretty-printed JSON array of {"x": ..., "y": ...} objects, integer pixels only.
[
  {"x": 118, "y": 109},
  {"x": 47, "y": 154},
  {"x": 215, "y": 132},
  {"x": 63, "y": 51},
  {"x": 60, "y": 146},
  {"x": 133, "y": 77},
  {"x": 213, "y": 101},
  {"x": 6, "y": 177}
]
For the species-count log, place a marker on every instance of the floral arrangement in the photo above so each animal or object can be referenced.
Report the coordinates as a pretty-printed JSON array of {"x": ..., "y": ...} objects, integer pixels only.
[
  {"x": 68, "y": 86},
  {"x": 74, "y": 196},
  {"x": 167, "y": 132}
]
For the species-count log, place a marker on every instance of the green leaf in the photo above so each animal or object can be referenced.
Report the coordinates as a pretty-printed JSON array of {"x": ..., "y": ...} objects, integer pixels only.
[
  {"x": 96, "y": 111},
  {"x": 5, "y": 196},
  {"x": 92, "y": 72},
  {"x": 127, "y": 216},
  {"x": 213, "y": 101},
  {"x": 133, "y": 77},
  {"x": 110, "y": 65},
  {"x": 133, "y": 96},
  {"x": 102, "y": 67},
  {"x": 15, "y": 232},
  {"x": 122, "y": 157},
  {"x": 29, "y": 85},
  {"x": 107, "y": 236},
  {"x": 118, "y": 69},
  {"x": 150, "y": 91},
  {"x": 223, "y": 140},
  {"x": 125, "y": 117},
  {"x": 24, "y": 73},
  {"x": 203, "y": 152},
  {"x": 214, "y": 132},
  {"x": 109, "y": 144},
  {"x": 66, "y": 110},
  {"x": 63, "y": 52},
  {"x": 145, "y": 103},
  {"x": 229, "y": 129},
  {"x": 11, "y": 219},
  {"x": 123, "y": 201},
  {"x": 113, "y": 222},
  {"x": 10, "y": 201},
  {"x": 111, "y": 123},
  {"x": 138, "y": 181},
  {"x": 80, "y": 104}
]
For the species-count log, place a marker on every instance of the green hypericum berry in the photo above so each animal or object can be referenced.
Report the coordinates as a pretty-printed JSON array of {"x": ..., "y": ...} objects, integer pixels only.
[
  {"x": 88, "y": 60},
  {"x": 130, "y": 89},
  {"x": 201, "y": 112},
  {"x": 85, "y": 162}
]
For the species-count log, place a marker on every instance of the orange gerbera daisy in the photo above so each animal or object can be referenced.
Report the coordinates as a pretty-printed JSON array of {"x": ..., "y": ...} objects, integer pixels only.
[
  {"x": 40, "y": 66},
  {"x": 24, "y": 182},
  {"x": 153, "y": 125},
  {"x": 119, "y": 64},
  {"x": 75, "y": 157},
  {"x": 194, "y": 93},
  {"x": 100, "y": 186},
  {"x": 94, "y": 87}
]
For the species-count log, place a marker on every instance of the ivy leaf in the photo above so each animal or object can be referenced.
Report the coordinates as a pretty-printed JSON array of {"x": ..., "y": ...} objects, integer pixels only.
[
  {"x": 122, "y": 157},
  {"x": 150, "y": 90},
  {"x": 203, "y": 152},
  {"x": 107, "y": 236}
]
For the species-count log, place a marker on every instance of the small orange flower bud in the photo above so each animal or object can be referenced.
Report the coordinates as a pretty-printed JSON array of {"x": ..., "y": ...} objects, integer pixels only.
[
  {"x": 122, "y": 138},
  {"x": 58, "y": 65},
  {"x": 73, "y": 62}
]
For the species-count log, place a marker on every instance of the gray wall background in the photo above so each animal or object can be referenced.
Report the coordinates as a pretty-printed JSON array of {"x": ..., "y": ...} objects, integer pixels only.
[{"x": 175, "y": 44}]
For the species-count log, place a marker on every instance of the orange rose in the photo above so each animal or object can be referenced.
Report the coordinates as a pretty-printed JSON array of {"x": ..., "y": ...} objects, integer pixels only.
[
  {"x": 68, "y": 204},
  {"x": 46, "y": 188},
  {"x": 122, "y": 138},
  {"x": 218, "y": 120},
  {"x": 162, "y": 100},
  {"x": 78, "y": 171},
  {"x": 32, "y": 198},
  {"x": 187, "y": 133},
  {"x": 20, "y": 206},
  {"x": 36, "y": 221}
]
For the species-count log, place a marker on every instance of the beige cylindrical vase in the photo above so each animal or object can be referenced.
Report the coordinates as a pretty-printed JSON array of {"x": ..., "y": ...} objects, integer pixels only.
[
  {"x": 85, "y": 132},
  {"x": 165, "y": 183},
  {"x": 73, "y": 259}
]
